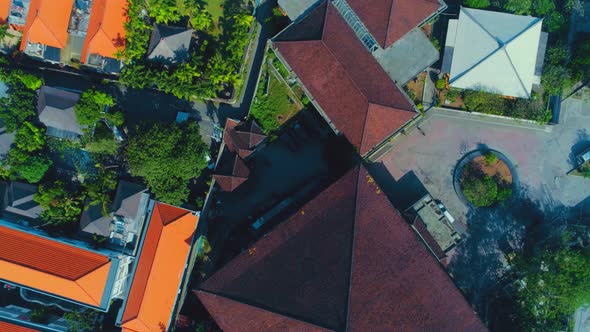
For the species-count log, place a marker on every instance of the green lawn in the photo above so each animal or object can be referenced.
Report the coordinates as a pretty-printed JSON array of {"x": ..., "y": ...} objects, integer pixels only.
[
  {"x": 275, "y": 108},
  {"x": 215, "y": 8}
]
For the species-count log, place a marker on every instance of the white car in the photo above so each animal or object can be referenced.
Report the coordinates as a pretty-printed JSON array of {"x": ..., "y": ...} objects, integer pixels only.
[{"x": 583, "y": 157}]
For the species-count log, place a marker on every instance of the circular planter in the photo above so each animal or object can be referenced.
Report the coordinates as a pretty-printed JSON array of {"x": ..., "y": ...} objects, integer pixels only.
[{"x": 502, "y": 165}]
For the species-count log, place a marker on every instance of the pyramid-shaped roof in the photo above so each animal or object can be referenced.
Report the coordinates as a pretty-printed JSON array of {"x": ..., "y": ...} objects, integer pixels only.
[
  {"x": 344, "y": 78},
  {"x": 231, "y": 171},
  {"x": 495, "y": 51},
  {"x": 169, "y": 45},
  {"x": 242, "y": 137},
  {"x": 345, "y": 261},
  {"x": 390, "y": 20}
]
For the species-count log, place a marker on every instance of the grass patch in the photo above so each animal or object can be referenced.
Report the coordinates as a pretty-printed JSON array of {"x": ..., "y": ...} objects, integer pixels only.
[
  {"x": 276, "y": 107},
  {"x": 215, "y": 8}
]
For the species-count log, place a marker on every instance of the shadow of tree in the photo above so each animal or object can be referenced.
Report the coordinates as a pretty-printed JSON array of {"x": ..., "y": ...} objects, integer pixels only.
[
  {"x": 480, "y": 266},
  {"x": 582, "y": 142}
]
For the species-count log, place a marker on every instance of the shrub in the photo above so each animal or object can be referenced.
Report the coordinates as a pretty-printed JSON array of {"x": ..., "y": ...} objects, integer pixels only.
[
  {"x": 480, "y": 192},
  {"x": 490, "y": 158},
  {"x": 441, "y": 84},
  {"x": 477, "y": 3}
]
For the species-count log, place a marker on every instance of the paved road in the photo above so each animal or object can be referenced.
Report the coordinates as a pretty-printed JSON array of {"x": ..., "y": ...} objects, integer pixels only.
[{"x": 542, "y": 155}]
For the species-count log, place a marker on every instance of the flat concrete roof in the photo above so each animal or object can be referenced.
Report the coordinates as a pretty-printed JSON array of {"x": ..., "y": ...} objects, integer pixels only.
[
  {"x": 443, "y": 233},
  {"x": 295, "y": 8},
  {"x": 409, "y": 56}
]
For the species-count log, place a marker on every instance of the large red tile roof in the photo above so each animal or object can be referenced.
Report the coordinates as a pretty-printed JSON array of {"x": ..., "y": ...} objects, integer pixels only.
[
  {"x": 47, "y": 23},
  {"x": 390, "y": 20},
  {"x": 160, "y": 269},
  {"x": 347, "y": 82},
  {"x": 106, "y": 29},
  {"x": 345, "y": 261},
  {"x": 53, "y": 267}
]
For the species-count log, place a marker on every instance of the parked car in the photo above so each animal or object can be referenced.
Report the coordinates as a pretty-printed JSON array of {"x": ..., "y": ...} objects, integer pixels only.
[{"x": 583, "y": 157}]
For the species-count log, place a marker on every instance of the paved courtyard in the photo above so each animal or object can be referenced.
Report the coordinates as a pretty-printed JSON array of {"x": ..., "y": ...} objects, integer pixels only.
[{"x": 542, "y": 155}]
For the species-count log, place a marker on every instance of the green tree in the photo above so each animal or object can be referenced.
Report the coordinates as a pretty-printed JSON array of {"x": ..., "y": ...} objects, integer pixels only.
[
  {"x": 580, "y": 64},
  {"x": 167, "y": 156},
  {"x": 543, "y": 7},
  {"x": 60, "y": 206},
  {"x": 164, "y": 11},
  {"x": 31, "y": 167},
  {"x": 30, "y": 138},
  {"x": 555, "y": 76},
  {"x": 200, "y": 19},
  {"x": 89, "y": 109},
  {"x": 477, "y": 3},
  {"x": 519, "y": 7},
  {"x": 81, "y": 321},
  {"x": 30, "y": 81},
  {"x": 17, "y": 106},
  {"x": 99, "y": 189},
  {"x": 553, "y": 286},
  {"x": 480, "y": 192}
]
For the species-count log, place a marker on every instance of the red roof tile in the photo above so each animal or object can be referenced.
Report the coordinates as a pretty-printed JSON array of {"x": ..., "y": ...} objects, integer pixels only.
[
  {"x": 47, "y": 23},
  {"x": 251, "y": 318},
  {"x": 106, "y": 29},
  {"x": 346, "y": 261},
  {"x": 345, "y": 80},
  {"x": 231, "y": 171},
  {"x": 390, "y": 20},
  {"x": 53, "y": 267},
  {"x": 393, "y": 273},
  {"x": 52, "y": 257},
  {"x": 242, "y": 137},
  {"x": 7, "y": 327},
  {"x": 160, "y": 268},
  {"x": 300, "y": 269}
]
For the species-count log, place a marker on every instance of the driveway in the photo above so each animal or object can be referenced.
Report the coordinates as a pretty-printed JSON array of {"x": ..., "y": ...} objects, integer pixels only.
[{"x": 542, "y": 155}]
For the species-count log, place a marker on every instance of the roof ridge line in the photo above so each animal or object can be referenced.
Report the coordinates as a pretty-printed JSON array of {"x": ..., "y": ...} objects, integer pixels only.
[
  {"x": 137, "y": 263},
  {"x": 517, "y": 73},
  {"x": 388, "y": 24},
  {"x": 481, "y": 26},
  {"x": 90, "y": 296},
  {"x": 50, "y": 30},
  {"x": 348, "y": 295},
  {"x": 261, "y": 307},
  {"x": 346, "y": 71},
  {"x": 532, "y": 24}
]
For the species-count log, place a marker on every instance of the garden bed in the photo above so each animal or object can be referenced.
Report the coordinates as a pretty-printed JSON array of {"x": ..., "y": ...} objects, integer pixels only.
[
  {"x": 415, "y": 88},
  {"x": 583, "y": 170},
  {"x": 486, "y": 180},
  {"x": 275, "y": 102}
]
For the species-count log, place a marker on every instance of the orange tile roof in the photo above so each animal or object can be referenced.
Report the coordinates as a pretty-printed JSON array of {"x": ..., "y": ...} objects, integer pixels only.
[
  {"x": 160, "y": 269},
  {"x": 106, "y": 30},
  {"x": 4, "y": 10},
  {"x": 47, "y": 23},
  {"x": 7, "y": 327},
  {"x": 53, "y": 267}
]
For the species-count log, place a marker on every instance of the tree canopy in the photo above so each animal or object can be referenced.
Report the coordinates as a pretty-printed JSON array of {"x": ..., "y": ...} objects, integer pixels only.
[
  {"x": 477, "y": 3},
  {"x": 60, "y": 205},
  {"x": 167, "y": 156},
  {"x": 26, "y": 159},
  {"x": 91, "y": 107},
  {"x": 553, "y": 286}
]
